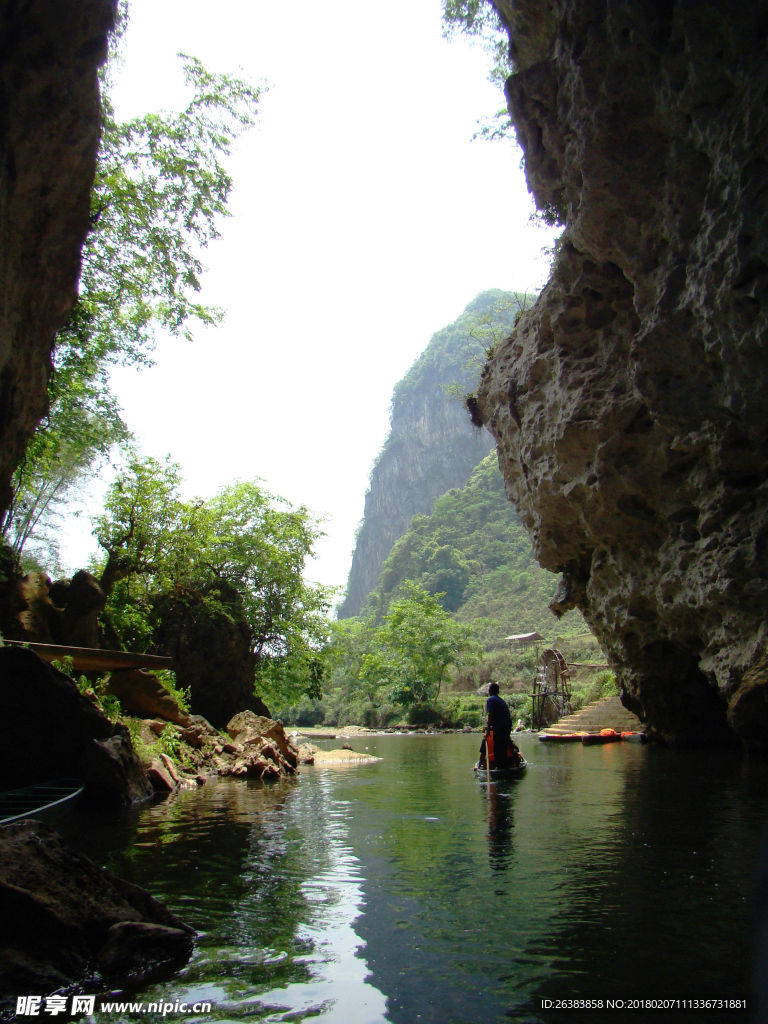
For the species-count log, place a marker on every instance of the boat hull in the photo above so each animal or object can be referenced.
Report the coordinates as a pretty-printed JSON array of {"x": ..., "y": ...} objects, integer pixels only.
[
  {"x": 592, "y": 738},
  {"x": 497, "y": 774},
  {"x": 47, "y": 801}
]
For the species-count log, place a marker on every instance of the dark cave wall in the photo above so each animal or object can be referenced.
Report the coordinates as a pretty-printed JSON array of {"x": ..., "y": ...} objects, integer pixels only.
[
  {"x": 629, "y": 406},
  {"x": 49, "y": 128}
]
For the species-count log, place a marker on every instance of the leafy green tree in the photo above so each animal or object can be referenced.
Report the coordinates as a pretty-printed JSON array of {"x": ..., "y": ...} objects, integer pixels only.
[
  {"x": 242, "y": 553},
  {"x": 141, "y": 520},
  {"x": 411, "y": 651},
  {"x": 480, "y": 21},
  {"x": 159, "y": 193},
  {"x": 82, "y": 428}
]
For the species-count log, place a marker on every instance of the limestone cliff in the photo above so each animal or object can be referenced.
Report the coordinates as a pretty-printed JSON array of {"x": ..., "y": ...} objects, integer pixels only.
[
  {"x": 431, "y": 446},
  {"x": 630, "y": 404},
  {"x": 49, "y": 130}
]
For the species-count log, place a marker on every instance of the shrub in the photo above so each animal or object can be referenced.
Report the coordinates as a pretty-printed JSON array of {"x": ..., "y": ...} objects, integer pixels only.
[{"x": 423, "y": 714}]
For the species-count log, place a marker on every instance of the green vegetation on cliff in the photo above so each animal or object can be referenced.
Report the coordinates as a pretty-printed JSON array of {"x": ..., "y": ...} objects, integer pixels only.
[
  {"x": 431, "y": 446},
  {"x": 456, "y": 353},
  {"x": 473, "y": 560},
  {"x": 475, "y": 551}
]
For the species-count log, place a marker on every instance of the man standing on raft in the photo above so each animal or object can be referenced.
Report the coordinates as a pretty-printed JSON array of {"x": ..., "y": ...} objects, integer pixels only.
[{"x": 499, "y": 726}]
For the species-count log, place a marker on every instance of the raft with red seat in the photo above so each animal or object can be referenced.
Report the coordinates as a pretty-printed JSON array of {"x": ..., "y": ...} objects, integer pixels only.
[
  {"x": 634, "y": 737},
  {"x": 604, "y": 736}
]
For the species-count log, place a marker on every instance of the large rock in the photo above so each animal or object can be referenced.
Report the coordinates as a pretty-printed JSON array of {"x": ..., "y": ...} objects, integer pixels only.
[
  {"x": 65, "y": 612},
  {"x": 49, "y": 730},
  {"x": 141, "y": 693},
  {"x": 629, "y": 405},
  {"x": 211, "y": 645},
  {"x": 247, "y": 728},
  {"x": 48, "y": 138},
  {"x": 431, "y": 447},
  {"x": 66, "y": 922},
  {"x": 261, "y": 748}
]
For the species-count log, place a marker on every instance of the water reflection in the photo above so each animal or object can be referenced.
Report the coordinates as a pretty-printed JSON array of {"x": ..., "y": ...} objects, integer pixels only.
[
  {"x": 655, "y": 901},
  {"x": 499, "y": 796},
  {"x": 408, "y": 892},
  {"x": 265, "y": 876}
]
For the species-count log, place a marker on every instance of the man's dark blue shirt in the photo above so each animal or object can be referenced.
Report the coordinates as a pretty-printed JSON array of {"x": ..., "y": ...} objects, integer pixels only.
[{"x": 498, "y": 713}]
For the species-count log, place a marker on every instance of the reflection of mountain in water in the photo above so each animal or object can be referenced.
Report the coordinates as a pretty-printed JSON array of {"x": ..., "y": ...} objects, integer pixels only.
[
  {"x": 579, "y": 883},
  {"x": 339, "y": 987},
  {"x": 231, "y": 862}
]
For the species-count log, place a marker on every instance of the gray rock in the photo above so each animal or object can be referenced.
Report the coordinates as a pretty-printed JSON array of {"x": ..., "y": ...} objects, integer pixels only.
[{"x": 629, "y": 405}]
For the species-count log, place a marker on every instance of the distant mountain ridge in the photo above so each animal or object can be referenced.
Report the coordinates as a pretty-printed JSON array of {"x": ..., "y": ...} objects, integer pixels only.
[{"x": 432, "y": 446}]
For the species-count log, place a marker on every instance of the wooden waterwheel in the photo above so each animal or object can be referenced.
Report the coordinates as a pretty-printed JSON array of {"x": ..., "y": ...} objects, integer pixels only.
[{"x": 551, "y": 695}]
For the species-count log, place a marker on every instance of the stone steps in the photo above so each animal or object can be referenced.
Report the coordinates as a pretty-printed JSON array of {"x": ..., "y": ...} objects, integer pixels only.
[{"x": 607, "y": 713}]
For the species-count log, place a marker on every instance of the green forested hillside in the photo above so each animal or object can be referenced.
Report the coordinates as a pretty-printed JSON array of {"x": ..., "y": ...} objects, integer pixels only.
[
  {"x": 475, "y": 550},
  {"x": 456, "y": 353},
  {"x": 431, "y": 446}
]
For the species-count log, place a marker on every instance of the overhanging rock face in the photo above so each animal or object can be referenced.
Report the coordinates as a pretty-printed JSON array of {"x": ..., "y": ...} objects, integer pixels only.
[
  {"x": 49, "y": 127},
  {"x": 630, "y": 405}
]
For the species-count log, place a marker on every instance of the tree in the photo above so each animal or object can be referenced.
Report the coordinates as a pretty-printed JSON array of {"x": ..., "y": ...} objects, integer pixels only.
[
  {"x": 142, "y": 516},
  {"x": 412, "y": 650},
  {"x": 239, "y": 557},
  {"x": 480, "y": 22},
  {"x": 158, "y": 195},
  {"x": 82, "y": 427}
]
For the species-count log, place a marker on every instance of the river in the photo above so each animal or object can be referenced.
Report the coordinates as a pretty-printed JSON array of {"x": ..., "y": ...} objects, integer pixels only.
[{"x": 408, "y": 891}]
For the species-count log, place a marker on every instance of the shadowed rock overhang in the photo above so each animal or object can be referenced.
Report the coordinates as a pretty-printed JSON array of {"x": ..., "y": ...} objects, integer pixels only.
[
  {"x": 629, "y": 405},
  {"x": 49, "y": 130}
]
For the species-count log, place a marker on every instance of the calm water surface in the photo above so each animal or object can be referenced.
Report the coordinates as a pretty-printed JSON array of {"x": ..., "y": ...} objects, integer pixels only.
[{"x": 408, "y": 892}]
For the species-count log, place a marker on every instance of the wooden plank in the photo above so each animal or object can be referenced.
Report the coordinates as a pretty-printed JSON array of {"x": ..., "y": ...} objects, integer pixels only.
[{"x": 89, "y": 659}]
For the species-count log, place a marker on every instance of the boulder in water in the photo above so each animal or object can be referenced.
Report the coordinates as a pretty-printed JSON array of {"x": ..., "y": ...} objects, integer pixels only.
[{"x": 67, "y": 922}]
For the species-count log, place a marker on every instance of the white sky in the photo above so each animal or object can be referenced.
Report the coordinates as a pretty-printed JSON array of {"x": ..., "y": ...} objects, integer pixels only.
[{"x": 364, "y": 219}]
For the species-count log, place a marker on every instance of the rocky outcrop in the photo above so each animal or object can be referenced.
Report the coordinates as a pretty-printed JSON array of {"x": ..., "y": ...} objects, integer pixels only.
[
  {"x": 67, "y": 922},
  {"x": 141, "y": 693},
  {"x": 260, "y": 749},
  {"x": 431, "y": 447},
  {"x": 210, "y": 642},
  {"x": 49, "y": 55},
  {"x": 65, "y": 612},
  {"x": 629, "y": 405},
  {"x": 49, "y": 730}
]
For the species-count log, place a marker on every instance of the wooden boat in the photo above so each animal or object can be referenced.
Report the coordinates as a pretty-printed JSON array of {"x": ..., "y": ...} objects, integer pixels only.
[
  {"x": 634, "y": 737},
  {"x": 47, "y": 801},
  {"x": 604, "y": 736},
  {"x": 497, "y": 774},
  {"x": 561, "y": 737}
]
